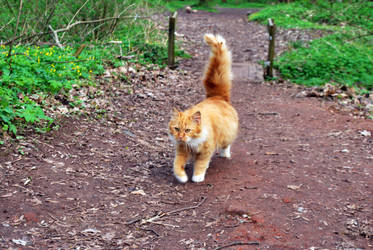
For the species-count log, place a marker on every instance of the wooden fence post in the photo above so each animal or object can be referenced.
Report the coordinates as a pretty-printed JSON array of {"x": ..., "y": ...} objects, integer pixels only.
[
  {"x": 268, "y": 69},
  {"x": 171, "y": 41},
  {"x": 79, "y": 50}
]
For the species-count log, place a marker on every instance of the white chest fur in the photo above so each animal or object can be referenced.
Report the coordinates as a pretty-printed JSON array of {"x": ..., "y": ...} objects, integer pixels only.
[{"x": 194, "y": 143}]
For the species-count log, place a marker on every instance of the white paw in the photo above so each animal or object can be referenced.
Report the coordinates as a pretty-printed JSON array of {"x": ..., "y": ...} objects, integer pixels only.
[
  {"x": 226, "y": 152},
  {"x": 198, "y": 178},
  {"x": 182, "y": 179}
]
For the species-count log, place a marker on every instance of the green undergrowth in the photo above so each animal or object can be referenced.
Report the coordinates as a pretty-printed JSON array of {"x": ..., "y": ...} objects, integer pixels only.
[
  {"x": 344, "y": 56},
  {"x": 331, "y": 59},
  {"x": 212, "y": 5},
  {"x": 34, "y": 74},
  {"x": 321, "y": 14},
  {"x": 243, "y": 4},
  {"x": 176, "y": 5}
]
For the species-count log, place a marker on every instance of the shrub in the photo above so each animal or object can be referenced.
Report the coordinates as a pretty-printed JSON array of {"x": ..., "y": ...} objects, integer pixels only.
[
  {"x": 343, "y": 57},
  {"x": 329, "y": 59},
  {"x": 33, "y": 73}
]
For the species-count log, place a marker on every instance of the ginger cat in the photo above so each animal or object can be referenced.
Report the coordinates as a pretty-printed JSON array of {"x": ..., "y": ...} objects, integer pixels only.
[{"x": 209, "y": 125}]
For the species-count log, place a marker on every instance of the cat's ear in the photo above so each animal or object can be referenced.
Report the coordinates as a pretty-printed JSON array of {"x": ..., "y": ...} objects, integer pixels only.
[
  {"x": 197, "y": 117},
  {"x": 175, "y": 112}
]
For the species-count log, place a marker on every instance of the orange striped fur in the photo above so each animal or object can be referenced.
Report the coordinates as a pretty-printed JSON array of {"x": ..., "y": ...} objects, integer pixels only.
[{"x": 209, "y": 125}]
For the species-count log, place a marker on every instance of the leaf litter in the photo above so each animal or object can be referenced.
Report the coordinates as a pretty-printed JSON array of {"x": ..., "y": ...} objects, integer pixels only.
[{"x": 104, "y": 179}]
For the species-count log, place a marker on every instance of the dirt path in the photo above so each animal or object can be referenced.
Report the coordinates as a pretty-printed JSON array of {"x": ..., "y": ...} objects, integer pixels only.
[{"x": 300, "y": 174}]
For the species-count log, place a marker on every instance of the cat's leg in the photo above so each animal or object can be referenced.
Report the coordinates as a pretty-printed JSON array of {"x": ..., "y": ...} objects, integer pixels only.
[
  {"x": 226, "y": 152},
  {"x": 200, "y": 167},
  {"x": 181, "y": 158}
]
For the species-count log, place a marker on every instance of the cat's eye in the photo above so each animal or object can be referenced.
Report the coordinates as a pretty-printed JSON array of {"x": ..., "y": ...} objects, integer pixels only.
[
  {"x": 187, "y": 130},
  {"x": 176, "y": 128}
]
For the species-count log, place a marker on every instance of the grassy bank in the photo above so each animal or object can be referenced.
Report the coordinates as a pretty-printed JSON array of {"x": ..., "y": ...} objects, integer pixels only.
[
  {"x": 212, "y": 5},
  {"x": 344, "y": 57},
  {"x": 34, "y": 70}
]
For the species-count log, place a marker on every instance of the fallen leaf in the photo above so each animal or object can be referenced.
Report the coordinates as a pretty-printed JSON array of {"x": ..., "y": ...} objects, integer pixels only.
[
  {"x": 140, "y": 192},
  {"x": 36, "y": 201},
  {"x": 365, "y": 133},
  {"x": 6, "y": 195},
  {"x": 51, "y": 201},
  {"x": 353, "y": 206},
  {"x": 19, "y": 242},
  {"x": 294, "y": 187},
  {"x": 271, "y": 153},
  {"x": 108, "y": 236},
  {"x": 91, "y": 230},
  {"x": 27, "y": 181},
  {"x": 337, "y": 133},
  {"x": 209, "y": 224},
  {"x": 69, "y": 170}
]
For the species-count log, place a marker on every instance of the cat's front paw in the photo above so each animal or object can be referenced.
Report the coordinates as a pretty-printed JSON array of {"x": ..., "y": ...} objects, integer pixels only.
[
  {"x": 182, "y": 179},
  {"x": 198, "y": 178}
]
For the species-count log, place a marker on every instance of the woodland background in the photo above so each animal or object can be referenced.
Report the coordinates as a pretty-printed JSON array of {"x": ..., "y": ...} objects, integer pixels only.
[{"x": 49, "y": 48}]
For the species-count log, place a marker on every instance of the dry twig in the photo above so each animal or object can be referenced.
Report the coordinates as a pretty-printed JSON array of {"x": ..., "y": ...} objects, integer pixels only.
[
  {"x": 70, "y": 61},
  {"x": 11, "y": 20},
  {"x": 263, "y": 113},
  {"x": 76, "y": 13},
  {"x": 55, "y": 36},
  {"x": 161, "y": 215},
  {"x": 15, "y": 33},
  {"x": 238, "y": 244},
  {"x": 187, "y": 208}
]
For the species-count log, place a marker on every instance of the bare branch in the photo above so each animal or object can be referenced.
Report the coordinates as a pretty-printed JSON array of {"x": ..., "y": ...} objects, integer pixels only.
[
  {"x": 186, "y": 208},
  {"x": 23, "y": 54},
  {"x": 161, "y": 215},
  {"x": 9, "y": 7},
  {"x": 55, "y": 36},
  {"x": 19, "y": 14},
  {"x": 360, "y": 36},
  {"x": 71, "y": 26},
  {"x": 11, "y": 20},
  {"x": 15, "y": 33},
  {"x": 51, "y": 13},
  {"x": 16, "y": 30},
  {"x": 76, "y": 13},
  {"x": 70, "y": 61}
]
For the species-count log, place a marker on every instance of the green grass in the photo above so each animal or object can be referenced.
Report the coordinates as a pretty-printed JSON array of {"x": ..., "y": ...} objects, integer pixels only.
[
  {"x": 344, "y": 57},
  {"x": 334, "y": 58},
  {"x": 243, "y": 4},
  {"x": 214, "y": 4},
  {"x": 34, "y": 74},
  {"x": 39, "y": 72},
  {"x": 288, "y": 16},
  {"x": 323, "y": 15},
  {"x": 176, "y": 5}
]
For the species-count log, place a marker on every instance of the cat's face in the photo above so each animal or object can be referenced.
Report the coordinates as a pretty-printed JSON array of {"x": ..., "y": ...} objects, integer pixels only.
[{"x": 184, "y": 127}]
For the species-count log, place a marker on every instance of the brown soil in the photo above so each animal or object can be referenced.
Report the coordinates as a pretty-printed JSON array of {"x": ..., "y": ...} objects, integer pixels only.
[{"x": 300, "y": 176}]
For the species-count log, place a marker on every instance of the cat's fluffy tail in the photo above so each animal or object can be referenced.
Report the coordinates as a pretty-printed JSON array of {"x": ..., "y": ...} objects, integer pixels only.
[{"x": 217, "y": 79}]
